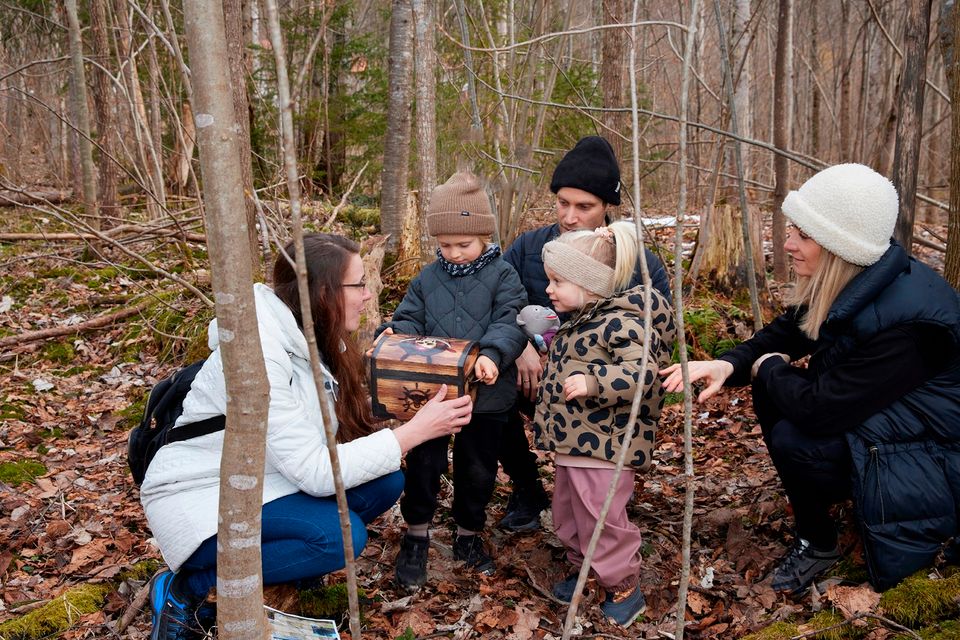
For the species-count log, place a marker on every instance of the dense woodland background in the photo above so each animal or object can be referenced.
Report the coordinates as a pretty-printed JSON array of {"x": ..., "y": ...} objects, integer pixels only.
[{"x": 105, "y": 277}]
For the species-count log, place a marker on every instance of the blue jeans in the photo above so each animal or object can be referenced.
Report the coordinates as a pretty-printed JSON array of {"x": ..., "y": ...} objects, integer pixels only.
[{"x": 300, "y": 535}]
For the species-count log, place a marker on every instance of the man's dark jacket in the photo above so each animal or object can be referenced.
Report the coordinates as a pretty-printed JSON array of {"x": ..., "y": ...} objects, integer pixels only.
[{"x": 525, "y": 256}]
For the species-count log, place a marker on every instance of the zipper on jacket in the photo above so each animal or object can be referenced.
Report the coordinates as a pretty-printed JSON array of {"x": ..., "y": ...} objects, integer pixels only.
[{"x": 875, "y": 458}]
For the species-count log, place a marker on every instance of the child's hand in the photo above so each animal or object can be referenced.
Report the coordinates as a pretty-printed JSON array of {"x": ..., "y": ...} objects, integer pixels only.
[
  {"x": 575, "y": 386},
  {"x": 485, "y": 370},
  {"x": 388, "y": 331}
]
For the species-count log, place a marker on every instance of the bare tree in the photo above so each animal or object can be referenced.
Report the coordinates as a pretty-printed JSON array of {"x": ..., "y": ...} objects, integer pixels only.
[
  {"x": 81, "y": 113},
  {"x": 949, "y": 36},
  {"x": 425, "y": 82},
  {"x": 782, "y": 130},
  {"x": 396, "y": 151},
  {"x": 611, "y": 72},
  {"x": 909, "y": 127},
  {"x": 233, "y": 15},
  {"x": 240, "y": 612},
  {"x": 103, "y": 103}
]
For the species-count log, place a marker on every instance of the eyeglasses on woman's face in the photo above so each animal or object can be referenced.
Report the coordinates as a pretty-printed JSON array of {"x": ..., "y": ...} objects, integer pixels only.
[{"x": 356, "y": 285}]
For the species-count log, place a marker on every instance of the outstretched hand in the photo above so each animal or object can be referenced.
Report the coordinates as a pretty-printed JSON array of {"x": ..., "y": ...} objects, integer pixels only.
[
  {"x": 714, "y": 372},
  {"x": 437, "y": 418}
]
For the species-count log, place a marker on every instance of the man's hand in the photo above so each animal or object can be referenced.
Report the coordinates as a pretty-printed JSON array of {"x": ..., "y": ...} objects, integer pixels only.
[{"x": 529, "y": 370}]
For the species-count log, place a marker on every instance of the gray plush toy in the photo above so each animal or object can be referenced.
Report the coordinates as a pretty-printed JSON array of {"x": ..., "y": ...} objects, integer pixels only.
[{"x": 540, "y": 324}]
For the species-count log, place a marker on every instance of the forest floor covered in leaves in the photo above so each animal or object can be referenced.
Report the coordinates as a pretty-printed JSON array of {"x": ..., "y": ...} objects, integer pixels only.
[{"x": 70, "y": 515}]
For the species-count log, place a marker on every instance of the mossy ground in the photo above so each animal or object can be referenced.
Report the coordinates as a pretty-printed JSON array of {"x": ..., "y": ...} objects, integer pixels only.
[
  {"x": 920, "y": 601},
  {"x": 20, "y": 472},
  {"x": 58, "y": 614}
]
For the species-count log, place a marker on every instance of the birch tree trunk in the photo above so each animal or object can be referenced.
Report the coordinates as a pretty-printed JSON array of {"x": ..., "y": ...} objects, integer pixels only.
[
  {"x": 425, "y": 80},
  {"x": 396, "y": 148},
  {"x": 782, "y": 129},
  {"x": 743, "y": 80},
  {"x": 81, "y": 114},
  {"x": 949, "y": 36},
  {"x": 236, "y": 47},
  {"x": 909, "y": 127},
  {"x": 240, "y": 612}
]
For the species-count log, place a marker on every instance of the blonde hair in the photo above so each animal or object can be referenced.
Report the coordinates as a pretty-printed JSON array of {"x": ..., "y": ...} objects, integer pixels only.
[
  {"x": 614, "y": 246},
  {"x": 820, "y": 290}
]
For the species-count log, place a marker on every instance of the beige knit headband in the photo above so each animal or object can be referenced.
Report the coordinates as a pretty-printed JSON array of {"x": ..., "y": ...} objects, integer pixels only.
[{"x": 578, "y": 268}]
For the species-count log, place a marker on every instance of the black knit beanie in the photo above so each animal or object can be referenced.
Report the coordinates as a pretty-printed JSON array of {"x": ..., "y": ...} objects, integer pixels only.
[{"x": 591, "y": 167}]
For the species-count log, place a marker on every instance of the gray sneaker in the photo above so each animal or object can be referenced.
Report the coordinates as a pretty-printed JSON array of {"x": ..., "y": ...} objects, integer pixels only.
[{"x": 801, "y": 566}]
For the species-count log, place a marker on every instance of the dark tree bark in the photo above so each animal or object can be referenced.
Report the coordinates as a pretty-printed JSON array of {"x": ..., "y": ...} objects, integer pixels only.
[
  {"x": 949, "y": 36},
  {"x": 611, "y": 73},
  {"x": 782, "y": 126},
  {"x": 844, "y": 63},
  {"x": 103, "y": 104},
  {"x": 910, "y": 124},
  {"x": 396, "y": 150}
]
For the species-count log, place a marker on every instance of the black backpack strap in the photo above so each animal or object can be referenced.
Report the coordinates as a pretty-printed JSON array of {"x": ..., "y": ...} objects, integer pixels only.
[{"x": 196, "y": 429}]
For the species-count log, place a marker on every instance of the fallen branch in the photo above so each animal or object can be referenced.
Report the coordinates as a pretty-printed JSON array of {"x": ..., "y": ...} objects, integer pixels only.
[
  {"x": 56, "y": 332},
  {"x": 136, "y": 605},
  {"x": 14, "y": 198},
  {"x": 125, "y": 230}
]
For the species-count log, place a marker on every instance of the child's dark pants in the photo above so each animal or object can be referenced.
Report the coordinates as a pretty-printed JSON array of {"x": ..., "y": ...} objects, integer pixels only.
[{"x": 475, "y": 451}]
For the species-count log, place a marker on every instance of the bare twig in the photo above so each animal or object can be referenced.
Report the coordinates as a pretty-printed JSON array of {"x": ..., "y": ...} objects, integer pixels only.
[{"x": 346, "y": 194}]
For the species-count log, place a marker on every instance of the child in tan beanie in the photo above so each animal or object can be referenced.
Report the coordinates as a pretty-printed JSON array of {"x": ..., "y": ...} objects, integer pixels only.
[
  {"x": 584, "y": 402},
  {"x": 470, "y": 293}
]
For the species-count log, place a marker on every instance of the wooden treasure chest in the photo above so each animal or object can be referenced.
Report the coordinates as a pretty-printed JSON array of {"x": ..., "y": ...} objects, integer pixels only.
[{"x": 406, "y": 371}]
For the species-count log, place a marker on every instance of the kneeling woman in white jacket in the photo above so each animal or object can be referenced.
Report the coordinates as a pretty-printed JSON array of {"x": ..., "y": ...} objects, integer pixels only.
[{"x": 301, "y": 536}]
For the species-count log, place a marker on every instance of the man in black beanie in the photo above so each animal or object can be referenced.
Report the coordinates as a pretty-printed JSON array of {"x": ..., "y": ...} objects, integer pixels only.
[{"x": 586, "y": 182}]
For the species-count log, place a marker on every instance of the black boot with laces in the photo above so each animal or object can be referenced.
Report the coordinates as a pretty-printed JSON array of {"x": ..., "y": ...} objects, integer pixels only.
[
  {"x": 412, "y": 562},
  {"x": 469, "y": 549}
]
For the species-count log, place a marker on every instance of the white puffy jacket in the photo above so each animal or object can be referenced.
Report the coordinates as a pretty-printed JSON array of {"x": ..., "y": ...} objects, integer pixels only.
[{"x": 180, "y": 493}]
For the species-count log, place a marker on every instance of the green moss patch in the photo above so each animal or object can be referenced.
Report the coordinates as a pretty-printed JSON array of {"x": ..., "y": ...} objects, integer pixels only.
[
  {"x": 920, "y": 601},
  {"x": 331, "y": 601},
  {"x": 59, "y": 352},
  {"x": 57, "y": 615},
  {"x": 22, "y": 472},
  {"x": 949, "y": 630}
]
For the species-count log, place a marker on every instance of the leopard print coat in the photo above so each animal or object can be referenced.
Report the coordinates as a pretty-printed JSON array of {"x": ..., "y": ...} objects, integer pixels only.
[{"x": 605, "y": 343}]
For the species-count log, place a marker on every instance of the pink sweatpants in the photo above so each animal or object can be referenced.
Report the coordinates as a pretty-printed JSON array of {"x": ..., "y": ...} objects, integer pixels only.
[{"x": 578, "y": 495}]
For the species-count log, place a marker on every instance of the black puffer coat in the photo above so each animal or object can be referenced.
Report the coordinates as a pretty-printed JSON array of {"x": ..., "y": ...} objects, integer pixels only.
[
  {"x": 906, "y": 455},
  {"x": 906, "y": 458}
]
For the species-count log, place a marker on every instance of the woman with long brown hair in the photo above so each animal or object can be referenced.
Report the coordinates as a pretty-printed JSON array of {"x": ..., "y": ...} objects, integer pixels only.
[{"x": 300, "y": 530}]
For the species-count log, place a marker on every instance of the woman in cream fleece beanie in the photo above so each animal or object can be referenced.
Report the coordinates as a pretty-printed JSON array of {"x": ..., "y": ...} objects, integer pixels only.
[{"x": 849, "y": 209}]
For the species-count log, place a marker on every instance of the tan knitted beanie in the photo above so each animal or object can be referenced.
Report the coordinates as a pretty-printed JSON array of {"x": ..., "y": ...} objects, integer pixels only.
[{"x": 460, "y": 206}]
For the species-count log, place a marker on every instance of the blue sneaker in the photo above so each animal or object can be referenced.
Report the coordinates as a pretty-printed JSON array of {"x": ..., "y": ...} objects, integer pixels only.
[
  {"x": 563, "y": 590},
  {"x": 623, "y": 607},
  {"x": 174, "y": 615}
]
